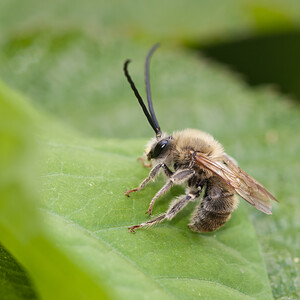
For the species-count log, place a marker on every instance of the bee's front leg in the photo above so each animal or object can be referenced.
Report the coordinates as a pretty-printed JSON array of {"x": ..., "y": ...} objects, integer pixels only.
[
  {"x": 146, "y": 165},
  {"x": 153, "y": 173}
]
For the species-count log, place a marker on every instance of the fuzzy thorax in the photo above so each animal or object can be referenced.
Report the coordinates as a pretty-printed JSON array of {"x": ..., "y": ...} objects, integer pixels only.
[{"x": 198, "y": 141}]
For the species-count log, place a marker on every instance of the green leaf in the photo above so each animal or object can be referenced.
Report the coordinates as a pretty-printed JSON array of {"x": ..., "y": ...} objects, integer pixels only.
[
  {"x": 87, "y": 215},
  {"x": 72, "y": 68}
]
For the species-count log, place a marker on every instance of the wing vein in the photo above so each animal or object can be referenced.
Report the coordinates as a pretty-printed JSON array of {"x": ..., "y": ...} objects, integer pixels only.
[{"x": 242, "y": 183}]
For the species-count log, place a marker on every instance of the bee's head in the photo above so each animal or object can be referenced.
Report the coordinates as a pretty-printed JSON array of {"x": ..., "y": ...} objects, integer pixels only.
[{"x": 159, "y": 148}]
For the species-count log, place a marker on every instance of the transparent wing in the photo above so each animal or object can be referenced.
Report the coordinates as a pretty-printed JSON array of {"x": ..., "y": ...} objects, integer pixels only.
[{"x": 242, "y": 183}]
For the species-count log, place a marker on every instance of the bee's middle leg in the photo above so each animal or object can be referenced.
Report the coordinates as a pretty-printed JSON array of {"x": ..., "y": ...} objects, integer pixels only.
[{"x": 177, "y": 178}]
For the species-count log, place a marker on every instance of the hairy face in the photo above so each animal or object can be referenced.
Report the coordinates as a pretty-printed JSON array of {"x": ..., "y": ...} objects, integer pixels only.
[{"x": 158, "y": 148}]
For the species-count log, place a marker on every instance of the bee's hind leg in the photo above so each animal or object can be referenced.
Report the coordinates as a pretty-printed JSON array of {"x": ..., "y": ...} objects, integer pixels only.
[{"x": 176, "y": 206}]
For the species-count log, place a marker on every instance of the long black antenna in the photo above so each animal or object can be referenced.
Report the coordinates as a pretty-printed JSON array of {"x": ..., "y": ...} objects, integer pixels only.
[
  {"x": 138, "y": 96},
  {"x": 147, "y": 81}
]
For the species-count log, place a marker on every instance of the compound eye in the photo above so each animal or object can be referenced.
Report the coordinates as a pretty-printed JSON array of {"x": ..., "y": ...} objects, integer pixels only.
[{"x": 160, "y": 148}]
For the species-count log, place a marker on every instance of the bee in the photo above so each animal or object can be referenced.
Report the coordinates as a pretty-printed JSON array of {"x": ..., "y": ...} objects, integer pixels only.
[{"x": 194, "y": 158}]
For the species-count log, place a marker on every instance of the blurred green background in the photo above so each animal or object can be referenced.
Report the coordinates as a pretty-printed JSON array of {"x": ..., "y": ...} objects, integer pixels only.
[{"x": 71, "y": 131}]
